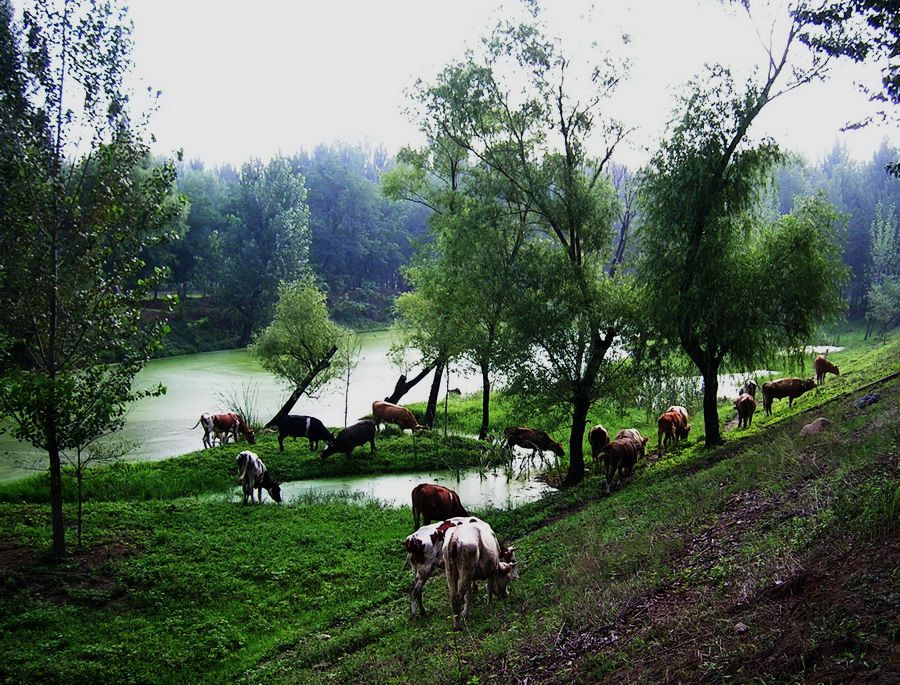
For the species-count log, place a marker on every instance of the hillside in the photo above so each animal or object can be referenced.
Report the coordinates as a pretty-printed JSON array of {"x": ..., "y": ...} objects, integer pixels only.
[{"x": 771, "y": 559}]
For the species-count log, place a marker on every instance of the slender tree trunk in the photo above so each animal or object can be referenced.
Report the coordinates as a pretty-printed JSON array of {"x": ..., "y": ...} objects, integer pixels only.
[
  {"x": 56, "y": 509},
  {"x": 403, "y": 385},
  {"x": 485, "y": 402},
  {"x": 431, "y": 409},
  {"x": 711, "y": 405},
  {"x": 304, "y": 384},
  {"x": 79, "y": 478},
  {"x": 580, "y": 407}
]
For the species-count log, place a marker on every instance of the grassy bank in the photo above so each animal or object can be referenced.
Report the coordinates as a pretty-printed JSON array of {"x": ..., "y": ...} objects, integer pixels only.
[{"x": 644, "y": 585}]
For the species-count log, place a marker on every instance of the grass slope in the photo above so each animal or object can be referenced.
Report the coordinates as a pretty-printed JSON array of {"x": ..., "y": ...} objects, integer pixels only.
[{"x": 793, "y": 538}]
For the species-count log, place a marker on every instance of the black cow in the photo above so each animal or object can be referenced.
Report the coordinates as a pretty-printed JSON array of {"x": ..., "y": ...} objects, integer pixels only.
[
  {"x": 352, "y": 436},
  {"x": 294, "y": 426}
]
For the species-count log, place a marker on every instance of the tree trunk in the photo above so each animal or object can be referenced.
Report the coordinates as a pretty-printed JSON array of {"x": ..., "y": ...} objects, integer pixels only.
[
  {"x": 431, "y": 409},
  {"x": 711, "y": 405},
  {"x": 485, "y": 402},
  {"x": 403, "y": 386},
  {"x": 56, "y": 508},
  {"x": 580, "y": 407},
  {"x": 323, "y": 364}
]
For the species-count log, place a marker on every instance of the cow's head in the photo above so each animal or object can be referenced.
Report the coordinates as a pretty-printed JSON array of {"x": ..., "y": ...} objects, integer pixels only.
[
  {"x": 275, "y": 491},
  {"x": 251, "y": 436},
  {"x": 557, "y": 449},
  {"x": 808, "y": 383},
  {"x": 506, "y": 573}
]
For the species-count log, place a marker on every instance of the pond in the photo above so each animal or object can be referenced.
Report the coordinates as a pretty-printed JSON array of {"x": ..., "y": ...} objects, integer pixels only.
[{"x": 160, "y": 427}]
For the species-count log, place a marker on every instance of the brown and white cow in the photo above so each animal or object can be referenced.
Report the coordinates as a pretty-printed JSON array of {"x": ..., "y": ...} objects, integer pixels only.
[
  {"x": 823, "y": 366},
  {"x": 223, "y": 427},
  {"x": 620, "y": 456},
  {"x": 685, "y": 428},
  {"x": 670, "y": 428},
  {"x": 531, "y": 439},
  {"x": 786, "y": 387},
  {"x": 745, "y": 406},
  {"x": 598, "y": 438},
  {"x": 472, "y": 552},
  {"x": 385, "y": 412},
  {"x": 434, "y": 502},
  {"x": 252, "y": 475}
]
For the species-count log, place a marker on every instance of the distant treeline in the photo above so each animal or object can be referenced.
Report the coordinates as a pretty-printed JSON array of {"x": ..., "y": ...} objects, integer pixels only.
[{"x": 247, "y": 229}]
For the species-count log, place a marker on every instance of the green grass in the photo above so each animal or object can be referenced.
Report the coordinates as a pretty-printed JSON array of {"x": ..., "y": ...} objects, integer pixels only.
[{"x": 175, "y": 587}]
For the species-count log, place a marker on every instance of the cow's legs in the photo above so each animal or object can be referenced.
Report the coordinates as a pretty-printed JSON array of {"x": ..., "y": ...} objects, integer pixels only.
[{"x": 415, "y": 596}]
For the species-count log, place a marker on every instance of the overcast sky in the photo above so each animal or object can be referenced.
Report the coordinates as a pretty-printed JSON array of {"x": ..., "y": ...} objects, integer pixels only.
[{"x": 251, "y": 79}]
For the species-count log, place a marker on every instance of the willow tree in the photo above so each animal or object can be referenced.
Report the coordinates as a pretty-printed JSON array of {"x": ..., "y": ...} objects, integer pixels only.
[
  {"x": 528, "y": 115},
  {"x": 716, "y": 285},
  {"x": 79, "y": 208}
]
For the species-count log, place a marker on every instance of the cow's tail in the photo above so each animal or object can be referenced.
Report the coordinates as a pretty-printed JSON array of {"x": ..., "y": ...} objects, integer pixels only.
[
  {"x": 196, "y": 424},
  {"x": 459, "y": 504},
  {"x": 415, "y": 510}
]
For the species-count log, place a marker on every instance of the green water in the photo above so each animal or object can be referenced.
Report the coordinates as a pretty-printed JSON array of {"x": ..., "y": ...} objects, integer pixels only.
[{"x": 160, "y": 427}]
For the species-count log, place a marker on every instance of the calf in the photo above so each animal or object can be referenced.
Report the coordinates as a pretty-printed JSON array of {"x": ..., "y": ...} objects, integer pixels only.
[
  {"x": 435, "y": 503},
  {"x": 471, "y": 552},
  {"x": 823, "y": 366},
  {"x": 816, "y": 426},
  {"x": 598, "y": 438},
  {"x": 352, "y": 436},
  {"x": 532, "y": 439},
  {"x": 224, "y": 426},
  {"x": 393, "y": 413},
  {"x": 620, "y": 456},
  {"x": 786, "y": 387},
  {"x": 670, "y": 425},
  {"x": 294, "y": 426},
  {"x": 745, "y": 405},
  {"x": 252, "y": 474}
]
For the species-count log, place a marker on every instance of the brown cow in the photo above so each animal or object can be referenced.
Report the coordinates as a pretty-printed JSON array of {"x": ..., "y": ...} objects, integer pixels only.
[
  {"x": 672, "y": 426},
  {"x": 745, "y": 405},
  {"x": 786, "y": 387},
  {"x": 823, "y": 366},
  {"x": 532, "y": 439},
  {"x": 621, "y": 456},
  {"x": 435, "y": 503},
  {"x": 598, "y": 438},
  {"x": 385, "y": 412},
  {"x": 224, "y": 426}
]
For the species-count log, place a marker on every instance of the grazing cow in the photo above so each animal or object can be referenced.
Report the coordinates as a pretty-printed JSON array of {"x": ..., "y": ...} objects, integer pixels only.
[
  {"x": 434, "y": 502},
  {"x": 385, "y": 412},
  {"x": 352, "y": 436},
  {"x": 424, "y": 552},
  {"x": 786, "y": 387},
  {"x": 823, "y": 366},
  {"x": 670, "y": 425},
  {"x": 745, "y": 405},
  {"x": 472, "y": 552},
  {"x": 816, "y": 426},
  {"x": 684, "y": 429},
  {"x": 294, "y": 426},
  {"x": 598, "y": 438},
  {"x": 223, "y": 426},
  {"x": 252, "y": 475},
  {"x": 748, "y": 388},
  {"x": 531, "y": 439},
  {"x": 620, "y": 456},
  {"x": 630, "y": 434}
]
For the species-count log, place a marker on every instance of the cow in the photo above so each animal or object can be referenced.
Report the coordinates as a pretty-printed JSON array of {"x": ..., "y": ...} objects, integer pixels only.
[
  {"x": 815, "y": 427},
  {"x": 223, "y": 426},
  {"x": 631, "y": 434},
  {"x": 620, "y": 456},
  {"x": 434, "y": 502},
  {"x": 352, "y": 436},
  {"x": 786, "y": 387},
  {"x": 748, "y": 388},
  {"x": 531, "y": 439},
  {"x": 471, "y": 552},
  {"x": 745, "y": 405},
  {"x": 684, "y": 429},
  {"x": 598, "y": 438},
  {"x": 294, "y": 426},
  {"x": 386, "y": 412},
  {"x": 252, "y": 475},
  {"x": 670, "y": 425},
  {"x": 823, "y": 366}
]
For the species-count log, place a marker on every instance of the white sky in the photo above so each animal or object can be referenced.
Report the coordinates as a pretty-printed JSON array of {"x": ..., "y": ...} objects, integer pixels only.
[{"x": 252, "y": 79}]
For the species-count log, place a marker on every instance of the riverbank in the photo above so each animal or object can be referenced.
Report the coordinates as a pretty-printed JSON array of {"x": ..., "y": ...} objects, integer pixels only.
[{"x": 181, "y": 588}]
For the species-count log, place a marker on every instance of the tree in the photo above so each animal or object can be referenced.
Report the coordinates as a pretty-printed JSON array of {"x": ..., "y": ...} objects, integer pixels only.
[
  {"x": 699, "y": 198},
  {"x": 264, "y": 242},
  {"x": 519, "y": 114},
  {"x": 884, "y": 292},
  {"x": 300, "y": 344},
  {"x": 77, "y": 214}
]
